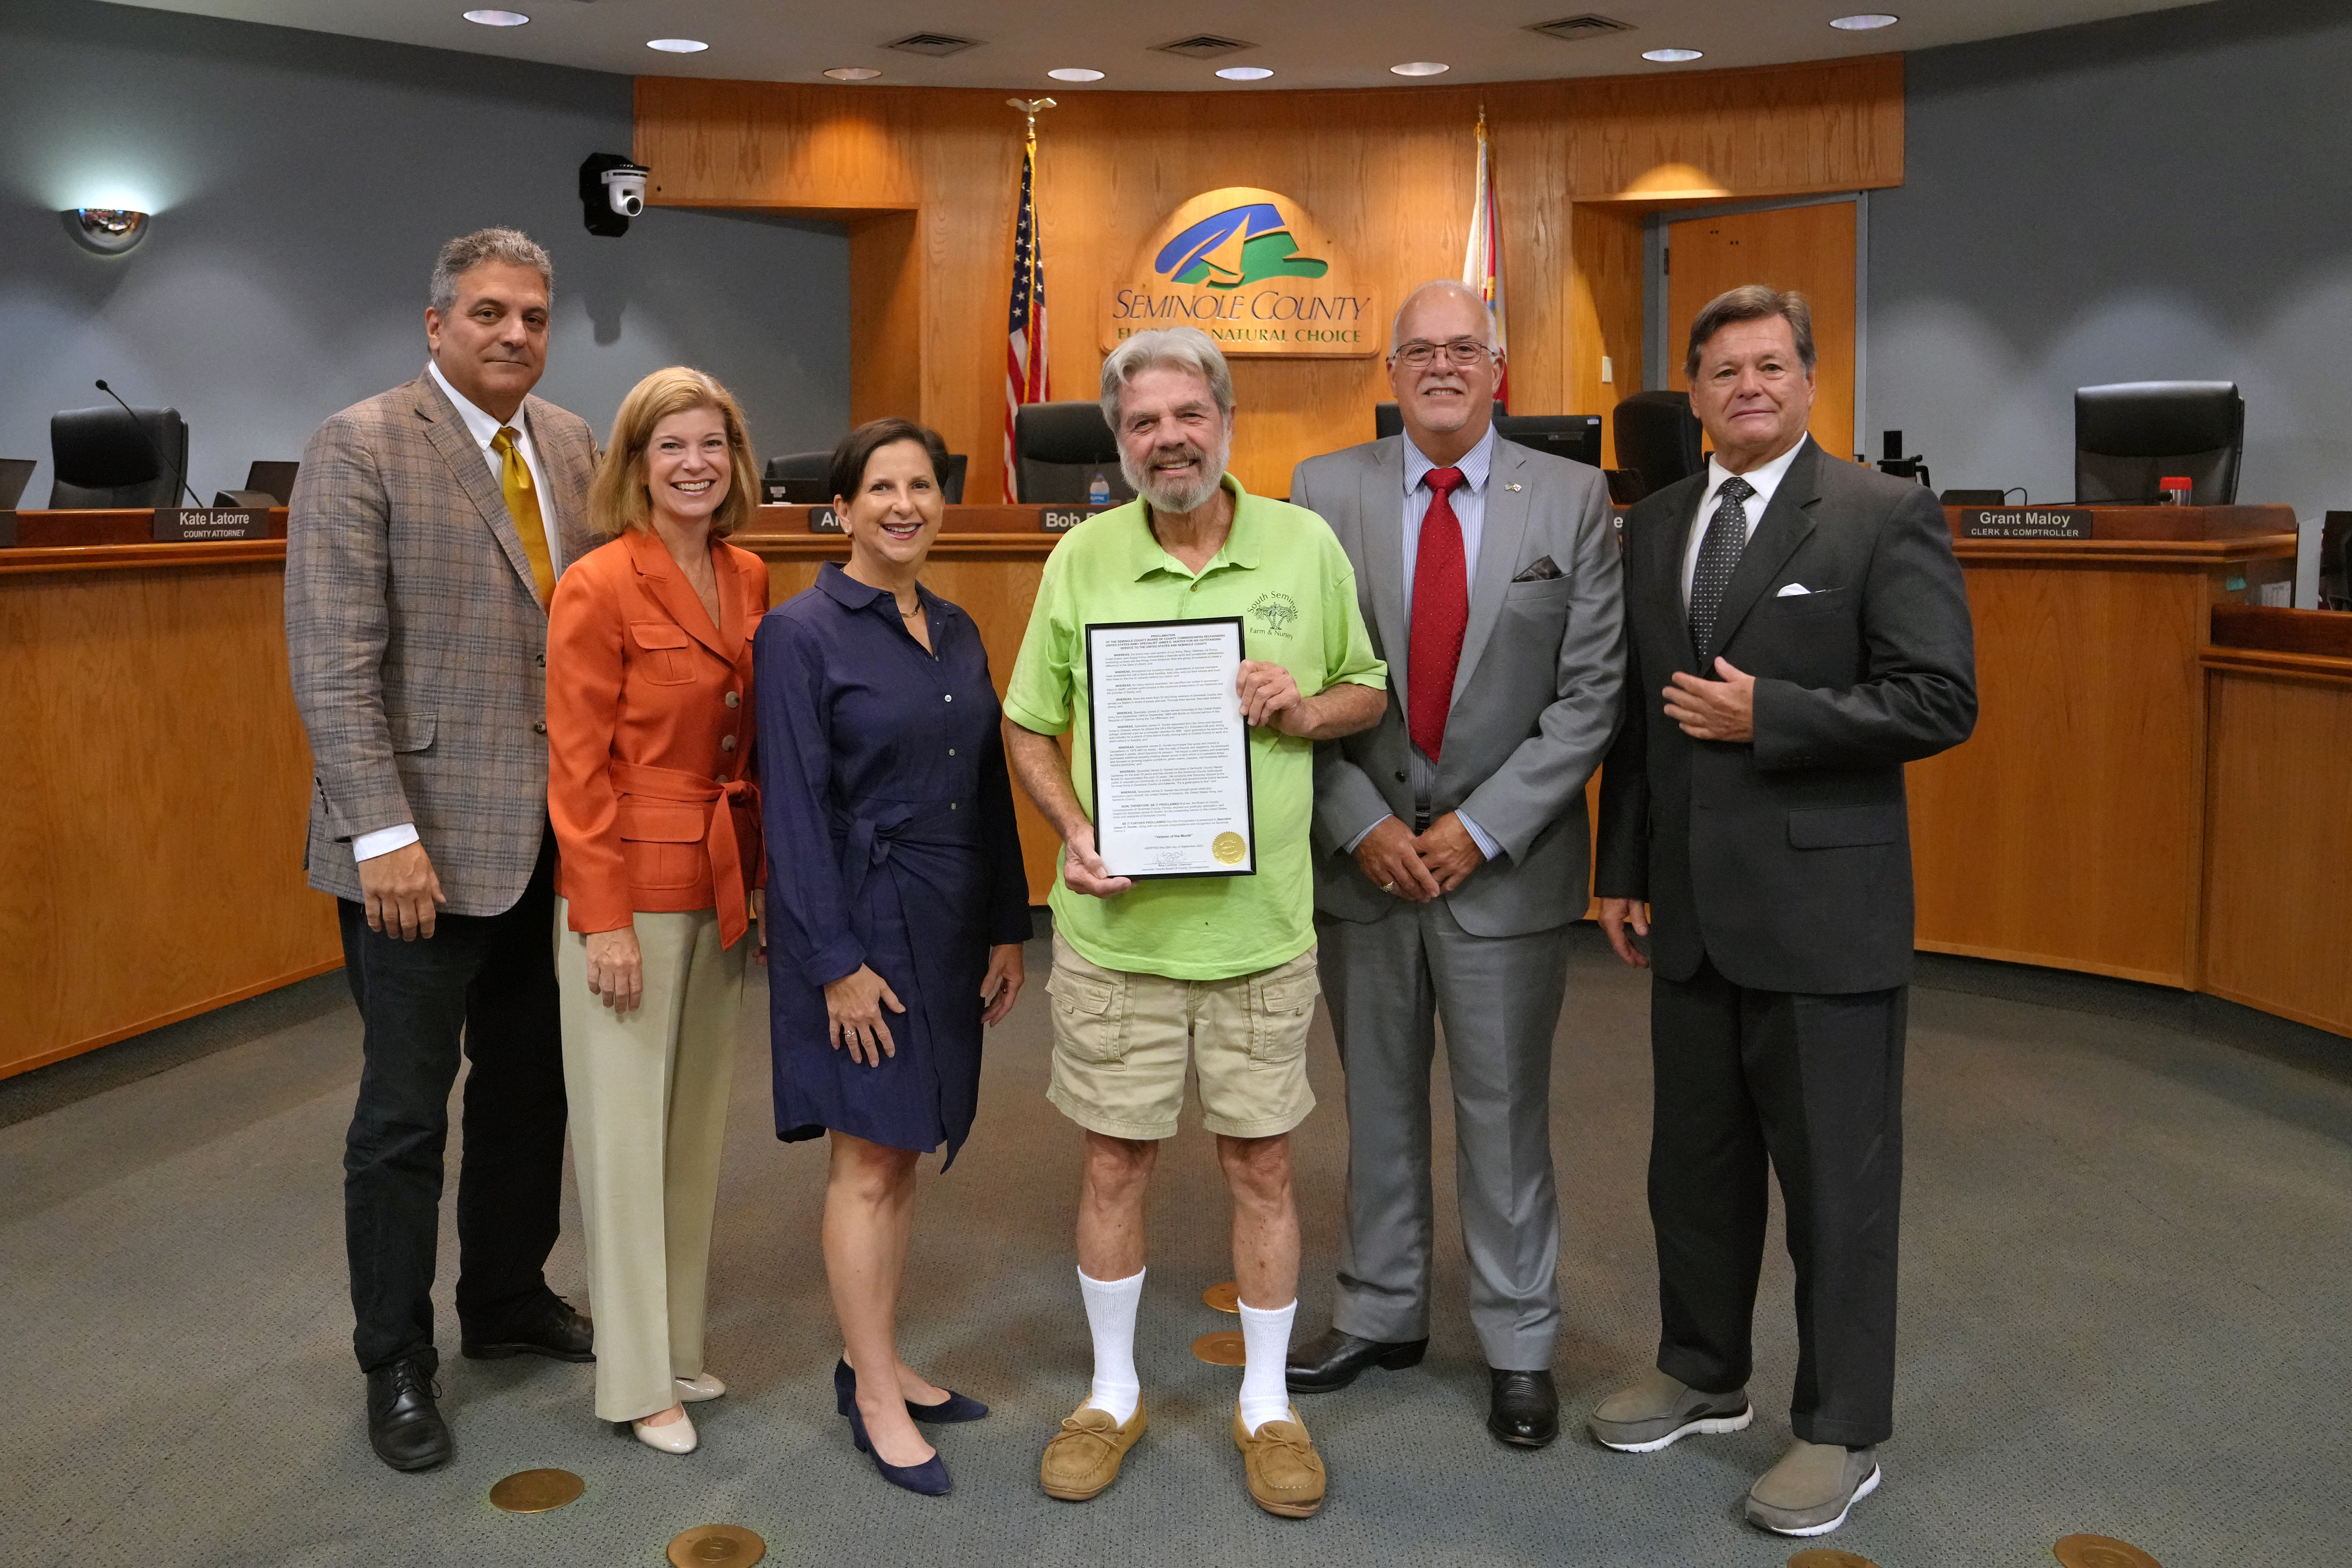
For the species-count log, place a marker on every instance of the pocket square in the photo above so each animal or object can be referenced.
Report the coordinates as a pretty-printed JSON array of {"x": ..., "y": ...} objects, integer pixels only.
[
  {"x": 1539, "y": 571},
  {"x": 1790, "y": 589}
]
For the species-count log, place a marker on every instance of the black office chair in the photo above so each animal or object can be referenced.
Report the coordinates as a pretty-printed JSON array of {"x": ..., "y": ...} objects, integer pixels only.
[
  {"x": 1386, "y": 421},
  {"x": 2132, "y": 435},
  {"x": 2336, "y": 561},
  {"x": 806, "y": 478},
  {"x": 104, "y": 459},
  {"x": 1658, "y": 437},
  {"x": 1058, "y": 448}
]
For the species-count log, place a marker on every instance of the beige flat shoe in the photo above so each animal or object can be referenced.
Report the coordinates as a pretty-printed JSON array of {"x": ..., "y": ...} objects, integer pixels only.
[
  {"x": 671, "y": 1437},
  {"x": 702, "y": 1386}
]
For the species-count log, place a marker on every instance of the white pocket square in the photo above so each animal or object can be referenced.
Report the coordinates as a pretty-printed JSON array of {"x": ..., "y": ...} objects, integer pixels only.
[{"x": 1791, "y": 590}]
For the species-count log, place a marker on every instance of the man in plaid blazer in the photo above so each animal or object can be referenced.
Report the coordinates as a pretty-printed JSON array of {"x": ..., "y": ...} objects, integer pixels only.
[{"x": 426, "y": 529}]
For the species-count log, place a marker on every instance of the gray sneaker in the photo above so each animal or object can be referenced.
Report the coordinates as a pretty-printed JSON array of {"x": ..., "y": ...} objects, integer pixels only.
[
  {"x": 1812, "y": 1488},
  {"x": 1659, "y": 1409}
]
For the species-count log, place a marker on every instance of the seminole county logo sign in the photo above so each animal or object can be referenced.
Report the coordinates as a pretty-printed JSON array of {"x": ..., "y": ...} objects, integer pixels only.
[{"x": 1251, "y": 269}]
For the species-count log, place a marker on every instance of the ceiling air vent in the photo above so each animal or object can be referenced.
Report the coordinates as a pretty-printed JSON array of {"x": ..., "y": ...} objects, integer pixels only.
[
  {"x": 939, "y": 46},
  {"x": 1202, "y": 47},
  {"x": 1576, "y": 30}
]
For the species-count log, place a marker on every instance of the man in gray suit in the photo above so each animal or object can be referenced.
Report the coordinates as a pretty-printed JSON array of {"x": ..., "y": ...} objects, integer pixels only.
[
  {"x": 427, "y": 527},
  {"x": 1797, "y": 631},
  {"x": 1451, "y": 846}
]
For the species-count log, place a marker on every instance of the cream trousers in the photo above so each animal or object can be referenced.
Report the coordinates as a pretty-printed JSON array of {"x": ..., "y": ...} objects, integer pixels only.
[{"x": 649, "y": 1092}]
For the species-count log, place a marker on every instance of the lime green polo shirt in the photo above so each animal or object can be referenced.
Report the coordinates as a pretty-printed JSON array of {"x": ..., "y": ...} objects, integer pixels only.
[{"x": 1283, "y": 572}]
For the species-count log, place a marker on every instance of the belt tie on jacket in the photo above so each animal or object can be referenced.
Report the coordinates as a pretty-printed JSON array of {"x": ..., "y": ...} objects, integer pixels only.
[{"x": 676, "y": 786}]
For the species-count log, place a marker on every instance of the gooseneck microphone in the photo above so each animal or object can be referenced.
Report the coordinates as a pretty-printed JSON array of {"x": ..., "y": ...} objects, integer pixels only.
[{"x": 181, "y": 477}]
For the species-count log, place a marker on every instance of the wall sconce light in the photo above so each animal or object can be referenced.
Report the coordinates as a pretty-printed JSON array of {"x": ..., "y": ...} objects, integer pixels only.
[{"x": 109, "y": 231}]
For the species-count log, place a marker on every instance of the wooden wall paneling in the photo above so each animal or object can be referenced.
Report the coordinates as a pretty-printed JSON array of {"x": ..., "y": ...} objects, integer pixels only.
[
  {"x": 2278, "y": 838},
  {"x": 1606, "y": 315},
  {"x": 779, "y": 147},
  {"x": 1807, "y": 248},
  {"x": 1833, "y": 125},
  {"x": 153, "y": 826},
  {"x": 2066, "y": 831},
  {"x": 886, "y": 319}
]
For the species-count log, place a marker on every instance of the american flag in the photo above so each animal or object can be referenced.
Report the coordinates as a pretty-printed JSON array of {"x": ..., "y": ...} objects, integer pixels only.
[
  {"x": 1482, "y": 262},
  {"x": 1024, "y": 349}
]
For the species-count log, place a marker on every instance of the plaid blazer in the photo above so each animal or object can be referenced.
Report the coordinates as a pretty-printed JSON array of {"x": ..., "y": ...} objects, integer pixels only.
[{"x": 416, "y": 641}]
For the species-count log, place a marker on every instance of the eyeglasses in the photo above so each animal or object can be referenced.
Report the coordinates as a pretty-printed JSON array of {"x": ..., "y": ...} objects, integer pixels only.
[{"x": 1419, "y": 353}]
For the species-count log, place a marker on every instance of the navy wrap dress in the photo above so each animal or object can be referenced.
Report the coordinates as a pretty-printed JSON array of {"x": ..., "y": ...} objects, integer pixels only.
[{"x": 891, "y": 843}]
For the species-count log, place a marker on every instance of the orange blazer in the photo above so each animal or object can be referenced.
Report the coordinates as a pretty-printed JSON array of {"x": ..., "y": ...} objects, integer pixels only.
[{"x": 649, "y": 729}]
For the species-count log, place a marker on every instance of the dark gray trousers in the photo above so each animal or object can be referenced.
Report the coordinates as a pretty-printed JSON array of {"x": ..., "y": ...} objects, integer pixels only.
[
  {"x": 1388, "y": 982},
  {"x": 1811, "y": 1086}
]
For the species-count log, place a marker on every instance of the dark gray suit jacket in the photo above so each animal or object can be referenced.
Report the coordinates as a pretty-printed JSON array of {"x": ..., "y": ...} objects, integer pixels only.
[
  {"x": 1788, "y": 860},
  {"x": 1535, "y": 696}
]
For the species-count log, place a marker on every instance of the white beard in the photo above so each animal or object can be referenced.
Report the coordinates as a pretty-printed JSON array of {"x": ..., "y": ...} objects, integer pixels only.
[{"x": 1163, "y": 496}]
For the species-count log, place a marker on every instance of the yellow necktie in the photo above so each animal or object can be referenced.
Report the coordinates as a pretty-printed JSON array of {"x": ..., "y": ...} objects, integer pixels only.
[{"x": 522, "y": 505}]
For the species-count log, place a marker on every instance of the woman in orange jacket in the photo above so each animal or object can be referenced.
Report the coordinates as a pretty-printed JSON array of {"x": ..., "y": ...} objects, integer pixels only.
[{"x": 649, "y": 732}]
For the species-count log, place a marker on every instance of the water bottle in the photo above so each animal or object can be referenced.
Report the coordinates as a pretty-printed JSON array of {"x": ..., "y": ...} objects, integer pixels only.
[{"x": 1098, "y": 490}]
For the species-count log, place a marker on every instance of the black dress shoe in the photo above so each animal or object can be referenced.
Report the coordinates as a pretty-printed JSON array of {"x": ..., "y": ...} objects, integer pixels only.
[
  {"x": 403, "y": 1424},
  {"x": 1522, "y": 1407},
  {"x": 1337, "y": 1358},
  {"x": 560, "y": 1333}
]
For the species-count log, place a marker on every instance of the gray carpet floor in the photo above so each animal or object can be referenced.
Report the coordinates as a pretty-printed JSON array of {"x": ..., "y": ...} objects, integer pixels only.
[{"x": 2126, "y": 1291}]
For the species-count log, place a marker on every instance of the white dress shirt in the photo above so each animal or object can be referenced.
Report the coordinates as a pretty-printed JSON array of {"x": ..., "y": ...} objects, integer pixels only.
[
  {"x": 1468, "y": 501},
  {"x": 1766, "y": 479},
  {"x": 484, "y": 430}
]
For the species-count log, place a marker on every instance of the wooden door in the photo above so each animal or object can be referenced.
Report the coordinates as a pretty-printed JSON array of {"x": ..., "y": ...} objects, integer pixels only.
[{"x": 1809, "y": 249}]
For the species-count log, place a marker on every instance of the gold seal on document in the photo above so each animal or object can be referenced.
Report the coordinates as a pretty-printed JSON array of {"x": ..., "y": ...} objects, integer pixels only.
[{"x": 1228, "y": 847}]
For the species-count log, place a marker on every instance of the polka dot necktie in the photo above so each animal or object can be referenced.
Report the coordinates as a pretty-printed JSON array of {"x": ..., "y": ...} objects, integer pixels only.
[
  {"x": 1718, "y": 555},
  {"x": 1441, "y": 612}
]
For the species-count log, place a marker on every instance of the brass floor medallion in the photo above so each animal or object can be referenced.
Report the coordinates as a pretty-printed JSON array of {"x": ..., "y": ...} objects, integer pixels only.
[
  {"x": 2101, "y": 1552},
  {"x": 1220, "y": 1350},
  {"x": 1828, "y": 1557},
  {"x": 1224, "y": 1298},
  {"x": 717, "y": 1546},
  {"x": 536, "y": 1491}
]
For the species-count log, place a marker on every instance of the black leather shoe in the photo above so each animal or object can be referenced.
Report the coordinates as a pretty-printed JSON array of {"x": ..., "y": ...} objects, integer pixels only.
[
  {"x": 403, "y": 1424},
  {"x": 562, "y": 1333},
  {"x": 1522, "y": 1407},
  {"x": 1338, "y": 1358}
]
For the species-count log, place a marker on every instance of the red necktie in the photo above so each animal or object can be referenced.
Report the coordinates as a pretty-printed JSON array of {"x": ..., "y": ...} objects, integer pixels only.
[{"x": 1441, "y": 609}]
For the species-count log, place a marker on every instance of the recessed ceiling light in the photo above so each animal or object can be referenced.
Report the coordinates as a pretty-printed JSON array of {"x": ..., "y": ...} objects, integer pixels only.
[
  {"x": 1865, "y": 21},
  {"x": 1672, "y": 57},
  {"x": 1074, "y": 73},
  {"x": 1245, "y": 73},
  {"x": 498, "y": 18},
  {"x": 853, "y": 73},
  {"x": 678, "y": 46},
  {"x": 1419, "y": 67}
]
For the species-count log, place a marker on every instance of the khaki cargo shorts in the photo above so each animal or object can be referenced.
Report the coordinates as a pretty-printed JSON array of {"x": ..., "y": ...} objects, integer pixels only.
[{"x": 1122, "y": 1041}]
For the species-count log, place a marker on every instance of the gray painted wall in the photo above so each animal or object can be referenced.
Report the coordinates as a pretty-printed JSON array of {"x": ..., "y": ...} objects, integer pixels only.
[
  {"x": 2151, "y": 198},
  {"x": 301, "y": 185}
]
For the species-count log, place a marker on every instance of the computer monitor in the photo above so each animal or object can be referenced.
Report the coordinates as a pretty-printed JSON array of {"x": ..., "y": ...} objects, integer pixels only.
[
  {"x": 15, "y": 473},
  {"x": 1576, "y": 436},
  {"x": 273, "y": 479}
]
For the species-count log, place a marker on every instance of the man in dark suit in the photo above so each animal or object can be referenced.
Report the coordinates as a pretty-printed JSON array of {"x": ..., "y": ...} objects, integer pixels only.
[
  {"x": 1450, "y": 846},
  {"x": 1798, "y": 631},
  {"x": 428, "y": 529}
]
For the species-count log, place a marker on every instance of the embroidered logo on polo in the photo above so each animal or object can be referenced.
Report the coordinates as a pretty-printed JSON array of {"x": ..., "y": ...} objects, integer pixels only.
[{"x": 1273, "y": 613}]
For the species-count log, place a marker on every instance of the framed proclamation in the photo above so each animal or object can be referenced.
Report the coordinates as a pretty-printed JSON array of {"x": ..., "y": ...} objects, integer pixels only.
[{"x": 1170, "y": 753}]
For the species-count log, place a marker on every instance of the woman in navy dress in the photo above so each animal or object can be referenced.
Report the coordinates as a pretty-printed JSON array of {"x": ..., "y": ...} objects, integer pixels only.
[{"x": 898, "y": 903}]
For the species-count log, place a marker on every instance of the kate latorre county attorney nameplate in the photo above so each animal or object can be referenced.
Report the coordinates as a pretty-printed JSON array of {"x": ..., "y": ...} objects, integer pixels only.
[{"x": 1170, "y": 752}]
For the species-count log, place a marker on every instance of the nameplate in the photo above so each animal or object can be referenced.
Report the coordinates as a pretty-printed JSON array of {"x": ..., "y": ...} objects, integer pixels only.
[
  {"x": 1062, "y": 519},
  {"x": 2025, "y": 522},
  {"x": 195, "y": 525},
  {"x": 823, "y": 520},
  {"x": 7, "y": 530}
]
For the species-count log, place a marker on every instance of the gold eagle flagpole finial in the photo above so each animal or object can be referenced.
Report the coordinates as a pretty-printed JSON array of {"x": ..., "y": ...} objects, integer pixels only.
[{"x": 1030, "y": 107}]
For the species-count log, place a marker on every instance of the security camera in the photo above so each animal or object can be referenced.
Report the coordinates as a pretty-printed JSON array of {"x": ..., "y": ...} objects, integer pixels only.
[
  {"x": 612, "y": 191},
  {"x": 626, "y": 189}
]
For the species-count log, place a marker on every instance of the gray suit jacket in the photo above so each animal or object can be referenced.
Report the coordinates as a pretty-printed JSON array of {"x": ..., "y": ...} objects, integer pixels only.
[
  {"x": 1786, "y": 860},
  {"x": 1535, "y": 696},
  {"x": 417, "y": 644}
]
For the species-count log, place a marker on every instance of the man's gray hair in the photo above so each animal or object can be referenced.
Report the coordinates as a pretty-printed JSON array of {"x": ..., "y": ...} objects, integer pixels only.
[
  {"x": 1453, "y": 286},
  {"x": 1751, "y": 302},
  {"x": 1184, "y": 348},
  {"x": 467, "y": 251}
]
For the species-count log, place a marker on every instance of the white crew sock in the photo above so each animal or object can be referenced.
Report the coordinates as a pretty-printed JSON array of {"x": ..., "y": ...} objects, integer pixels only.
[
  {"x": 1266, "y": 1337},
  {"x": 1110, "y": 1315}
]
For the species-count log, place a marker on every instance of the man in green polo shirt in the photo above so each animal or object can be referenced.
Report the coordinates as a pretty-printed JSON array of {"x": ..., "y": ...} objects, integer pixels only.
[{"x": 1213, "y": 971}]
